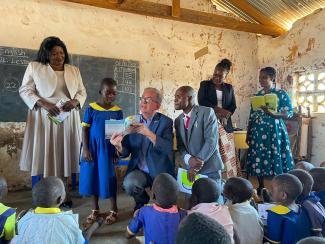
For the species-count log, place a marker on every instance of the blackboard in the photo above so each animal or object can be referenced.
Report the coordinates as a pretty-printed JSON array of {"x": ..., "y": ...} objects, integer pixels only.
[{"x": 13, "y": 63}]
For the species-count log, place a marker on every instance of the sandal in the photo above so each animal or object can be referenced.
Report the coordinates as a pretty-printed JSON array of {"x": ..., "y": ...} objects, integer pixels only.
[
  {"x": 91, "y": 218},
  {"x": 110, "y": 217}
]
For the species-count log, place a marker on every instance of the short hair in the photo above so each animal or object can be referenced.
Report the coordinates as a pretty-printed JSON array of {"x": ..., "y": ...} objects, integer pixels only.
[
  {"x": 306, "y": 180},
  {"x": 189, "y": 91},
  {"x": 159, "y": 96},
  {"x": 197, "y": 228},
  {"x": 46, "y": 47},
  {"x": 304, "y": 165},
  {"x": 269, "y": 71},
  {"x": 312, "y": 240},
  {"x": 107, "y": 82},
  {"x": 238, "y": 189},
  {"x": 165, "y": 190},
  {"x": 318, "y": 174},
  {"x": 224, "y": 64},
  {"x": 289, "y": 184},
  {"x": 205, "y": 190},
  {"x": 47, "y": 191},
  {"x": 3, "y": 187}
]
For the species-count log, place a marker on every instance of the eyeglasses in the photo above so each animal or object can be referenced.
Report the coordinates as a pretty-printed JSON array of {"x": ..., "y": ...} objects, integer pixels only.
[{"x": 146, "y": 100}]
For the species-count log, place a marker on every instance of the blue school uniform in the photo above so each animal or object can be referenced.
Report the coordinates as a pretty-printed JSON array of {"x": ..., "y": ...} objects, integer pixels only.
[
  {"x": 160, "y": 225},
  {"x": 286, "y": 226},
  {"x": 269, "y": 150},
  {"x": 321, "y": 195},
  {"x": 98, "y": 177}
]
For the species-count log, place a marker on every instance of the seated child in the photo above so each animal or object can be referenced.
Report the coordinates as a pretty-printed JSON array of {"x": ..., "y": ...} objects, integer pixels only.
[
  {"x": 197, "y": 228},
  {"x": 284, "y": 221},
  {"x": 46, "y": 223},
  {"x": 318, "y": 175},
  {"x": 248, "y": 227},
  {"x": 204, "y": 194},
  {"x": 161, "y": 219},
  {"x": 310, "y": 202},
  {"x": 304, "y": 165},
  {"x": 7, "y": 216}
]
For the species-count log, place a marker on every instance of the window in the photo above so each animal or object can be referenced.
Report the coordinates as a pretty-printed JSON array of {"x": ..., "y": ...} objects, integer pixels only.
[{"x": 310, "y": 91}]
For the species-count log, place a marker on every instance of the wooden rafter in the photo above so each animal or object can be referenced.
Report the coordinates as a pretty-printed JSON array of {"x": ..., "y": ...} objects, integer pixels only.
[
  {"x": 176, "y": 8},
  {"x": 186, "y": 15},
  {"x": 253, "y": 12}
]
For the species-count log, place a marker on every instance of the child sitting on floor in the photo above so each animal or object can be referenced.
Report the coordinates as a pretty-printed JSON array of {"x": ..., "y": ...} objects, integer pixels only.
[
  {"x": 203, "y": 200},
  {"x": 197, "y": 228},
  {"x": 46, "y": 223},
  {"x": 161, "y": 219},
  {"x": 304, "y": 165},
  {"x": 248, "y": 227},
  {"x": 318, "y": 175},
  {"x": 285, "y": 223},
  {"x": 7, "y": 216},
  {"x": 310, "y": 203}
]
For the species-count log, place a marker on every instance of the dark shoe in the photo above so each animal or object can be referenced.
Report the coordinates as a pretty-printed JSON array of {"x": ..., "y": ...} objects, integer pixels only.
[
  {"x": 67, "y": 204},
  {"x": 266, "y": 196}
]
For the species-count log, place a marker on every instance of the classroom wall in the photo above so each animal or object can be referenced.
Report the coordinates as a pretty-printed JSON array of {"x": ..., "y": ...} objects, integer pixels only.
[
  {"x": 302, "y": 48},
  {"x": 164, "y": 48}
]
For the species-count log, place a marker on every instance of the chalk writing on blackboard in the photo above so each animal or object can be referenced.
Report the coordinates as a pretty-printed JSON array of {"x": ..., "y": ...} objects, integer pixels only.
[{"x": 11, "y": 84}]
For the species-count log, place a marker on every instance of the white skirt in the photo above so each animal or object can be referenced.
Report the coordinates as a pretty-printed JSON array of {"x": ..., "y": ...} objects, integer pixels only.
[{"x": 50, "y": 149}]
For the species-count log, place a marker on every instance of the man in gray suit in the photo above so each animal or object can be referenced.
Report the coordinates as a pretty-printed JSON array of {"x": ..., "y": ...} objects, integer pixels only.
[{"x": 197, "y": 136}]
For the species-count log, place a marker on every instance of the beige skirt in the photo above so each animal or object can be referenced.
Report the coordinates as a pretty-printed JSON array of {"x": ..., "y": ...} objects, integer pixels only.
[{"x": 50, "y": 149}]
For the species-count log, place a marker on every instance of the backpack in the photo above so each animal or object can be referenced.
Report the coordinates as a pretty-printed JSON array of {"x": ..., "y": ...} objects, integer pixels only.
[{"x": 3, "y": 219}]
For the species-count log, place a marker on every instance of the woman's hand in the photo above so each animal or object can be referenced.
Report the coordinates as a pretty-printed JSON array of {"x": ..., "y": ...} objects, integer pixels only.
[
  {"x": 222, "y": 113},
  {"x": 86, "y": 155},
  {"x": 49, "y": 107},
  {"x": 273, "y": 114},
  {"x": 69, "y": 105}
]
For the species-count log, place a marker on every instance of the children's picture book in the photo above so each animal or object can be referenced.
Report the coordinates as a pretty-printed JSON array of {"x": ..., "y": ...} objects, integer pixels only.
[
  {"x": 62, "y": 116},
  {"x": 262, "y": 210},
  {"x": 268, "y": 100},
  {"x": 184, "y": 184},
  {"x": 120, "y": 126}
]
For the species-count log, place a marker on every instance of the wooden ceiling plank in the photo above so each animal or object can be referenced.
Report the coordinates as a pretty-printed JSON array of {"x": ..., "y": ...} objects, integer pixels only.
[
  {"x": 189, "y": 16},
  {"x": 176, "y": 8}
]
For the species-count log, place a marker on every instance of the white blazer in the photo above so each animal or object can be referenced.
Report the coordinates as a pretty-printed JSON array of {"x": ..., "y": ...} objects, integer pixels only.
[{"x": 40, "y": 81}]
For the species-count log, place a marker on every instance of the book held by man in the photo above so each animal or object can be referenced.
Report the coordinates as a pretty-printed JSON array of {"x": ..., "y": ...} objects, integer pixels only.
[
  {"x": 120, "y": 126},
  {"x": 268, "y": 100}
]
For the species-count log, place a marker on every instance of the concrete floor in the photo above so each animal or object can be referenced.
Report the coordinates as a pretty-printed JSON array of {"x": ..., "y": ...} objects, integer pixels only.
[{"x": 105, "y": 234}]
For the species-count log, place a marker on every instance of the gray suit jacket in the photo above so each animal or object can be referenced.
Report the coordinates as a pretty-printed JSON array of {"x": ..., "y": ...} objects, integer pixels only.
[{"x": 202, "y": 138}]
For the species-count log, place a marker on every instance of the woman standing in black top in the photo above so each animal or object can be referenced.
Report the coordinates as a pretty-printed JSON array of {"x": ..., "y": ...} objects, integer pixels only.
[{"x": 217, "y": 94}]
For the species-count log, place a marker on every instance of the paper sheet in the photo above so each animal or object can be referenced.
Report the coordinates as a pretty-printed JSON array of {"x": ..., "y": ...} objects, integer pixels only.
[{"x": 183, "y": 183}]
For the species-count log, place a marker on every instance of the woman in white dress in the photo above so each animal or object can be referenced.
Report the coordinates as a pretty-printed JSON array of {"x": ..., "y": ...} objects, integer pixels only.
[{"x": 51, "y": 149}]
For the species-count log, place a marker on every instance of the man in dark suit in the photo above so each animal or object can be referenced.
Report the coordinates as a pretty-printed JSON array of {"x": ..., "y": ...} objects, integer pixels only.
[
  {"x": 197, "y": 136},
  {"x": 150, "y": 146}
]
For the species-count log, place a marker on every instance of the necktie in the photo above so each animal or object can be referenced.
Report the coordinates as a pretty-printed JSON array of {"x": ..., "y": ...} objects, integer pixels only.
[{"x": 187, "y": 121}]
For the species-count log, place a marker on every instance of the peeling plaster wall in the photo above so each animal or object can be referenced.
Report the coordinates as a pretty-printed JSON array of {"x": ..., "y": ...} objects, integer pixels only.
[
  {"x": 164, "y": 48},
  {"x": 301, "y": 49}
]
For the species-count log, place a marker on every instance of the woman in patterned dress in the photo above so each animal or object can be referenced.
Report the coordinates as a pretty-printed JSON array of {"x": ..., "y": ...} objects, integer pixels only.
[{"x": 269, "y": 146}]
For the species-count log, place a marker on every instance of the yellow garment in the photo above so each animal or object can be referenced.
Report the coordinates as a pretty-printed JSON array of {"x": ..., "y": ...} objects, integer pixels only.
[
  {"x": 9, "y": 228},
  {"x": 40, "y": 210}
]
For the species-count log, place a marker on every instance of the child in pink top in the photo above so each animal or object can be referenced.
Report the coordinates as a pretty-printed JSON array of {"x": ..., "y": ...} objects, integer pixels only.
[{"x": 204, "y": 194}]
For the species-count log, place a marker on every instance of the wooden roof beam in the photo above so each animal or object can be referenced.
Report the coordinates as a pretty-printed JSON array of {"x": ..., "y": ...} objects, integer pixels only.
[
  {"x": 176, "y": 8},
  {"x": 254, "y": 13},
  {"x": 186, "y": 15}
]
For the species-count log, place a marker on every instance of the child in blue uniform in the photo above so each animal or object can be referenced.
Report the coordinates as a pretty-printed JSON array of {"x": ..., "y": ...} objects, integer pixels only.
[
  {"x": 97, "y": 173},
  {"x": 318, "y": 175},
  {"x": 285, "y": 222},
  {"x": 161, "y": 219}
]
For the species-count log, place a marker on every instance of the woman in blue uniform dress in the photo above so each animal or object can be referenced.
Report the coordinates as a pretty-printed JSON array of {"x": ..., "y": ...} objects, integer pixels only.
[
  {"x": 269, "y": 150},
  {"x": 97, "y": 173}
]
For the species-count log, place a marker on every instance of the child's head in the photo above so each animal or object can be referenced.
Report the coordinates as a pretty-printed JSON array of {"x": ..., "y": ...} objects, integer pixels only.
[
  {"x": 204, "y": 190},
  {"x": 165, "y": 190},
  {"x": 285, "y": 188},
  {"x": 304, "y": 165},
  {"x": 318, "y": 175},
  {"x": 197, "y": 228},
  {"x": 306, "y": 180},
  {"x": 108, "y": 90},
  {"x": 3, "y": 187},
  {"x": 238, "y": 190},
  {"x": 48, "y": 192}
]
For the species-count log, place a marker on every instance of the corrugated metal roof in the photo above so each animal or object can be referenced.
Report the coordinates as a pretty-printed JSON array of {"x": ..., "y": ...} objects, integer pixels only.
[{"x": 282, "y": 12}]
